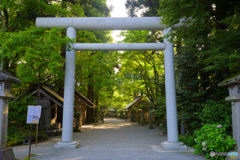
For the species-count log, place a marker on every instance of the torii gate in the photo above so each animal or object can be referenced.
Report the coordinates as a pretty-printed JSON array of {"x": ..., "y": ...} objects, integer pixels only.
[{"x": 110, "y": 23}]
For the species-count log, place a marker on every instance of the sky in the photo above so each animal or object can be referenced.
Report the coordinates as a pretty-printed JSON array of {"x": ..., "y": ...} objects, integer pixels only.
[{"x": 117, "y": 11}]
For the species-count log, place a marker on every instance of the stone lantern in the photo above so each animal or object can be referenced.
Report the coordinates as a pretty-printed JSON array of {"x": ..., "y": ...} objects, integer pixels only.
[
  {"x": 233, "y": 85},
  {"x": 103, "y": 111},
  {"x": 6, "y": 80}
]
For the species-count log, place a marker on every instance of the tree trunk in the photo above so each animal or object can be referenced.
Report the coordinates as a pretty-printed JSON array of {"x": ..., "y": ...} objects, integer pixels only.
[
  {"x": 5, "y": 20},
  {"x": 5, "y": 61},
  {"x": 90, "y": 96}
]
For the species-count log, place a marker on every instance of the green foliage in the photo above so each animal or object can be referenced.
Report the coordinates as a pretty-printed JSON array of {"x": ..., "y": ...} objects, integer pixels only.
[
  {"x": 134, "y": 110},
  {"x": 98, "y": 111},
  {"x": 160, "y": 113},
  {"x": 142, "y": 106},
  {"x": 201, "y": 60},
  {"x": 119, "y": 101},
  {"x": 77, "y": 130},
  {"x": 218, "y": 112},
  {"x": 216, "y": 140},
  {"x": 20, "y": 15},
  {"x": 135, "y": 6},
  {"x": 31, "y": 157},
  {"x": 187, "y": 140},
  {"x": 17, "y": 112},
  {"x": 77, "y": 115},
  {"x": 15, "y": 134},
  {"x": 35, "y": 51},
  {"x": 31, "y": 53},
  {"x": 120, "y": 111},
  {"x": 141, "y": 71},
  {"x": 17, "y": 126}
]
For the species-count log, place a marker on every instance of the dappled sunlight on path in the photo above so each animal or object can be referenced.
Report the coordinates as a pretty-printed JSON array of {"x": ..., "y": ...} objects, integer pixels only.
[{"x": 113, "y": 123}]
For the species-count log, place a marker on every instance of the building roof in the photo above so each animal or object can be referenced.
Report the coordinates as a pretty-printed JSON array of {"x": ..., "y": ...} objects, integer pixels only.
[
  {"x": 84, "y": 100},
  {"x": 56, "y": 98},
  {"x": 8, "y": 77},
  {"x": 136, "y": 101},
  {"x": 53, "y": 96}
]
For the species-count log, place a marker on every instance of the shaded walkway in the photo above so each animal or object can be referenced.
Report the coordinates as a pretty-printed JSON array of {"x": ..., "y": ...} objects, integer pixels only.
[{"x": 115, "y": 139}]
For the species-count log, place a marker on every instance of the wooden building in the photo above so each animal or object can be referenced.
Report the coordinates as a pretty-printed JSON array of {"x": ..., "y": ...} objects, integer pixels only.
[
  {"x": 52, "y": 109},
  {"x": 134, "y": 111},
  {"x": 111, "y": 113}
]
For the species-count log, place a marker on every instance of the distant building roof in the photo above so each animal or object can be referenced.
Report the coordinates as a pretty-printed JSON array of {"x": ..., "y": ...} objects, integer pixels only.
[{"x": 135, "y": 101}]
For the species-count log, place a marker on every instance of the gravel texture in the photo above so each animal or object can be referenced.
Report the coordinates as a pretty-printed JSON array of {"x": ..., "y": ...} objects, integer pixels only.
[{"x": 115, "y": 139}]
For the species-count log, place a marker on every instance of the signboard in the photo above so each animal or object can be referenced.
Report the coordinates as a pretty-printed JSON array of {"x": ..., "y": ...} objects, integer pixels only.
[{"x": 33, "y": 114}]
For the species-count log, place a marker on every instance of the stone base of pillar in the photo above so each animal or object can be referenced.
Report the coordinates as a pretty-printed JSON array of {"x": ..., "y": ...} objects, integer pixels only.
[
  {"x": 7, "y": 154},
  {"x": 179, "y": 146},
  {"x": 67, "y": 145}
]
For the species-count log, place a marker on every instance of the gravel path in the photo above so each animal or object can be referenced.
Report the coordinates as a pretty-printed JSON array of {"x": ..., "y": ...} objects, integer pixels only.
[{"x": 115, "y": 139}]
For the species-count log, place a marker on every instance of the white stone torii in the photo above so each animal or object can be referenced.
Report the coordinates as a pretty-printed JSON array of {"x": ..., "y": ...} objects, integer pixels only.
[{"x": 110, "y": 23}]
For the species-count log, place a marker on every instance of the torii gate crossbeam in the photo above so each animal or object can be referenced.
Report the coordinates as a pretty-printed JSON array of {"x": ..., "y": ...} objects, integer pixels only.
[{"x": 109, "y": 23}]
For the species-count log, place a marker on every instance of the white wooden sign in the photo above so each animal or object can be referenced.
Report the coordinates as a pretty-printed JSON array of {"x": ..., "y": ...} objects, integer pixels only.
[{"x": 33, "y": 114}]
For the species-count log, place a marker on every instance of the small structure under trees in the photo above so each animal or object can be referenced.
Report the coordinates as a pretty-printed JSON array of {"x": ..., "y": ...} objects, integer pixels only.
[
  {"x": 52, "y": 109},
  {"x": 134, "y": 112},
  {"x": 111, "y": 113}
]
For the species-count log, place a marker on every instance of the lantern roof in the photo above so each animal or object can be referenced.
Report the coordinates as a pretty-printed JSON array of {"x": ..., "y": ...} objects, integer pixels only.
[
  {"x": 235, "y": 79},
  {"x": 6, "y": 76}
]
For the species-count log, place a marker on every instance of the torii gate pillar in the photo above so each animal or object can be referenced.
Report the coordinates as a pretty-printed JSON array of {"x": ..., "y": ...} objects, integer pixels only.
[
  {"x": 171, "y": 102},
  {"x": 68, "y": 103}
]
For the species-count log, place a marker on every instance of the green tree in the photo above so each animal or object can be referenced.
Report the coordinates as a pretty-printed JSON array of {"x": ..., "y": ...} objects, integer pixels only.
[
  {"x": 205, "y": 51},
  {"x": 149, "y": 8},
  {"x": 34, "y": 52},
  {"x": 142, "y": 71}
]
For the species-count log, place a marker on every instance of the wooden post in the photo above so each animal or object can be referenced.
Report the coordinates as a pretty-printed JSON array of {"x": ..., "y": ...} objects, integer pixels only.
[
  {"x": 36, "y": 134},
  {"x": 38, "y": 95},
  {"x": 30, "y": 143}
]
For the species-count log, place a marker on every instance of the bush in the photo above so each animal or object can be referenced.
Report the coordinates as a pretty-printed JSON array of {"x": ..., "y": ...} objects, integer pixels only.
[
  {"x": 160, "y": 115},
  {"x": 222, "y": 114},
  {"x": 134, "y": 110},
  {"x": 187, "y": 140},
  {"x": 120, "y": 111},
  {"x": 15, "y": 134},
  {"x": 17, "y": 113},
  {"x": 17, "y": 126},
  {"x": 212, "y": 137}
]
